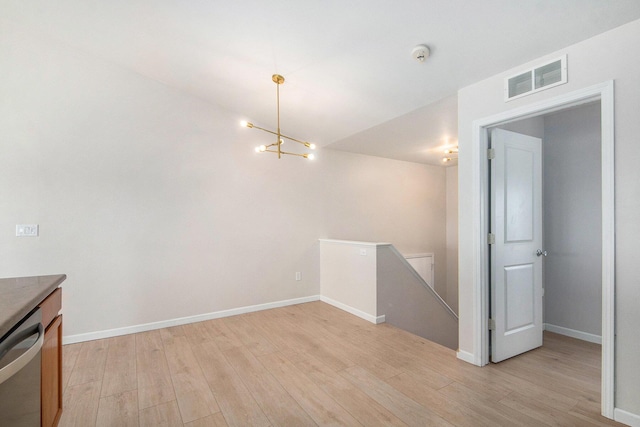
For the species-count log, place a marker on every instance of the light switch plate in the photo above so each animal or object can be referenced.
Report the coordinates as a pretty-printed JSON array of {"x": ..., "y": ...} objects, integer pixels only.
[{"x": 27, "y": 230}]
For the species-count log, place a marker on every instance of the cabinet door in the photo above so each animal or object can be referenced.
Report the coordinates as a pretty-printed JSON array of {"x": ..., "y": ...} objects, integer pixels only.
[{"x": 52, "y": 373}]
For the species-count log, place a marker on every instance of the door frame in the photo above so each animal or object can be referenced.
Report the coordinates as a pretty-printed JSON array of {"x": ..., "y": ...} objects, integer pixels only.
[{"x": 603, "y": 92}]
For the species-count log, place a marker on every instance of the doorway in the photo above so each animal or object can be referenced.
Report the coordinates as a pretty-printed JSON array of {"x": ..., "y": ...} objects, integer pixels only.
[
  {"x": 605, "y": 94},
  {"x": 564, "y": 252}
]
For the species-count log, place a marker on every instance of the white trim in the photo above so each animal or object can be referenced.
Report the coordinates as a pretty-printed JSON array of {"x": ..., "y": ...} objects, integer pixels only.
[
  {"x": 480, "y": 252},
  {"x": 625, "y": 417},
  {"x": 608, "y": 250},
  {"x": 351, "y": 242},
  {"x": 71, "y": 339},
  {"x": 466, "y": 356},
  {"x": 424, "y": 255},
  {"x": 584, "y": 336},
  {"x": 605, "y": 93},
  {"x": 361, "y": 314}
]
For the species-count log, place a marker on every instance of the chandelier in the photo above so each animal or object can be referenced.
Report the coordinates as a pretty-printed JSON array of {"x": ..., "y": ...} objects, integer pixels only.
[
  {"x": 276, "y": 147},
  {"x": 450, "y": 155}
]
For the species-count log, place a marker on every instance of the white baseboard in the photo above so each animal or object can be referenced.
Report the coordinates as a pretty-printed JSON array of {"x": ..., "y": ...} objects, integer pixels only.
[
  {"x": 625, "y": 417},
  {"x": 573, "y": 333},
  {"x": 361, "y": 314},
  {"x": 467, "y": 357},
  {"x": 71, "y": 339}
]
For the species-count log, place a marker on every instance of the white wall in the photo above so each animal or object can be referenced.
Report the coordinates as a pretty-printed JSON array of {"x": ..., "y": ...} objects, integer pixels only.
[
  {"x": 593, "y": 61},
  {"x": 380, "y": 200},
  {"x": 573, "y": 220},
  {"x": 348, "y": 276},
  {"x": 451, "y": 297},
  {"x": 155, "y": 205}
]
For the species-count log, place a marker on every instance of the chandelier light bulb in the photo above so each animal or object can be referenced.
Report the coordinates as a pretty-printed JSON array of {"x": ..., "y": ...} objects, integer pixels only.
[
  {"x": 310, "y": 156},
  {"x": 312, "y": 146},
  {"x": 450, "y": 154}
]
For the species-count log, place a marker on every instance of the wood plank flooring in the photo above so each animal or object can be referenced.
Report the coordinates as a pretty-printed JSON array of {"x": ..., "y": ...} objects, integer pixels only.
[{"x": 312, "y": 364}]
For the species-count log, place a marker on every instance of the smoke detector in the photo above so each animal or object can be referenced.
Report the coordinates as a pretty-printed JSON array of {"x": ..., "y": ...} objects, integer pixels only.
[{"x": 420, "y": 52}]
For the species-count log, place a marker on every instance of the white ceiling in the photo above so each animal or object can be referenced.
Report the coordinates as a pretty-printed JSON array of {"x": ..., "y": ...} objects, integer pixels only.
[{"x": 350, "y": 78}]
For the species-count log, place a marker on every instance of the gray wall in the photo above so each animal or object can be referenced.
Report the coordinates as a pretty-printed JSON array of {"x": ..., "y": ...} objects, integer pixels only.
[
  {"x": 532, "y": 127},
  {"x": 451, "y": 297},
  {"x": 408, "y": 303},
  {"x": 571, "y": 215},
  {"x": 573, "y": 220}
]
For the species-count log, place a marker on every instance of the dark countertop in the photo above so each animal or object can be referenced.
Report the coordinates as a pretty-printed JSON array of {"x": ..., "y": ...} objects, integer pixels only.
[{"x": 20, "y": 295}]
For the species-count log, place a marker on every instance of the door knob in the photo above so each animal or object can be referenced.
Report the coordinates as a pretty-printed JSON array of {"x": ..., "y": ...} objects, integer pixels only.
[{"x": 540, "y": 252}]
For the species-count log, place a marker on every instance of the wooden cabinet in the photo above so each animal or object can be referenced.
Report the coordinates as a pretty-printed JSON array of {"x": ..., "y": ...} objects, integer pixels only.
[{"x": 51, "y": 408}]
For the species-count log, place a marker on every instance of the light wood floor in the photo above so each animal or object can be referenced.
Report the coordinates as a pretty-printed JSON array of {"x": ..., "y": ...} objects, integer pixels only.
[{"x": 313, "y": 364}]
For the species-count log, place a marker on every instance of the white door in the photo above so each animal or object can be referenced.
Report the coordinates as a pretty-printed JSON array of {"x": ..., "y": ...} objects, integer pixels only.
[
  {"x": 423, "y": 265},
  {"x": 516, "y": 224}
]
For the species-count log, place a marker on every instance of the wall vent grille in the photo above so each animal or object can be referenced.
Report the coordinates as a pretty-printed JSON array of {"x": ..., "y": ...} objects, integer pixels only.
[{"x": 545, "y": 76}]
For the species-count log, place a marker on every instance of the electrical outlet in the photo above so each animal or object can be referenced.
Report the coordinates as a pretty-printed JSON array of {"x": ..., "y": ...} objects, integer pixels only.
[
  {"x": 27, "y": 230},
  {"x": 298, "y": 275}
]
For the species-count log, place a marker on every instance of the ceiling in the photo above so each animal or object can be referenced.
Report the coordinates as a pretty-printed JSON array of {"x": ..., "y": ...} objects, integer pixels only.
[{"x": 351, "y": 83}]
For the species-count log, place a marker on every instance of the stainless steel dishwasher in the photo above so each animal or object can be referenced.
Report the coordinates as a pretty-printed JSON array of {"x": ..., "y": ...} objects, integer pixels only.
[{"x": 20, "y": 358}]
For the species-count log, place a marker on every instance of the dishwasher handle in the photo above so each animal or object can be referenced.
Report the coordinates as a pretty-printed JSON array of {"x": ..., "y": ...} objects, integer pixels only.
[{"x": 14, "y": 367}]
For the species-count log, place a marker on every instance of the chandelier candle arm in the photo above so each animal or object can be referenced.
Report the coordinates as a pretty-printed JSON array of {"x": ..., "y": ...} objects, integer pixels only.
[
  {"x": 309, "y": 156},
  {"x": 305, "y": 143}
]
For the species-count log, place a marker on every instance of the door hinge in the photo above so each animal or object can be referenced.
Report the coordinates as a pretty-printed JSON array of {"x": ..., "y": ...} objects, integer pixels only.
[
  {"x": 491, "y": 153},
  {"x": 492, "y": 325},
  {"x": 491, "y": 238}
]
